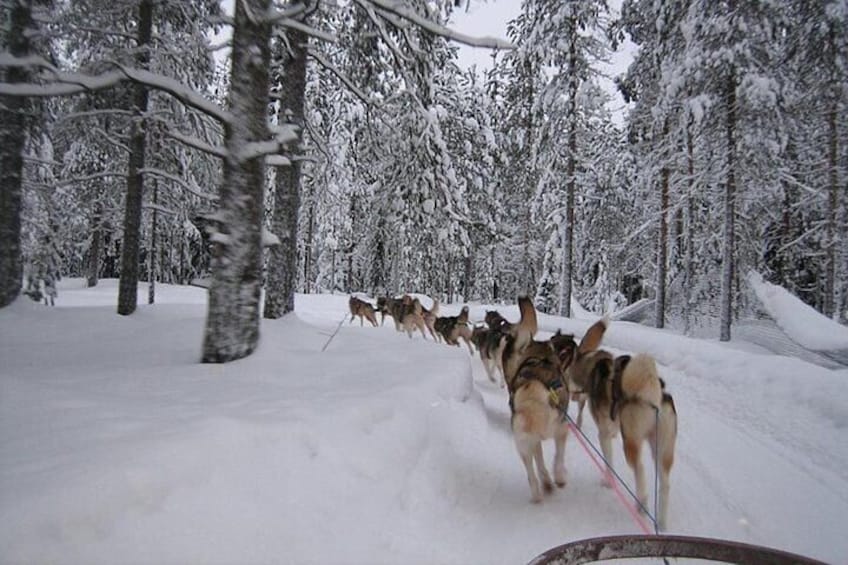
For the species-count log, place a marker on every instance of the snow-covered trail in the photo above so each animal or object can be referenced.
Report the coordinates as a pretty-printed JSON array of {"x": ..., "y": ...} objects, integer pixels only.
[{"x": 118, "y": 446}]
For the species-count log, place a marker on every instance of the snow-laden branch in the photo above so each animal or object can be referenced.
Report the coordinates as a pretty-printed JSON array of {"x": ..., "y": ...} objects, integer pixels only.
[
  {"x": 198, "y": 144},
  {"x": 159, "y": 208},
  {"x": 309, "y": 30},
  {"x": 67, "y": 83},
  {"x": 319, "y": 57},
  {"x": 196, "y": 191},
  {"x": 178, "y": 90},
  {"x": 283, "y": 135},
  {"x": 394, "y": 7},
  {"x": 93, "y": 176},
  {"x": 277, "y": 161}
]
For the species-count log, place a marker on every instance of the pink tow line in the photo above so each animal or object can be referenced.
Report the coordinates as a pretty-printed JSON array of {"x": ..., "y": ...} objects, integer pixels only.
[{"x": 638, "y": 518}]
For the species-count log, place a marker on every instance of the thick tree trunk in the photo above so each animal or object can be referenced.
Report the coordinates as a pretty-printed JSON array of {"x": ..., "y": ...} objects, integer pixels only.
[
  {"x": 128, "y": 286},
  {"x": 12, "y": 138},
  {"x": 729, "y": 250},
  {"x": 662, "y": 239},
  {"x": 232, "y": 323},
  {"x": 282, "y": 265}
]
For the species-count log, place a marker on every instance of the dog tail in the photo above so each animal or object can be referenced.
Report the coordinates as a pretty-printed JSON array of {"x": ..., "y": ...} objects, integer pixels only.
[
  {"x": 435, "y": 309},
  {"x": 639, "y": 380},
  {"x": 528, "y": 325},
  {"x": 592, "y": 339},
  {"x": 463, "y": 316}
]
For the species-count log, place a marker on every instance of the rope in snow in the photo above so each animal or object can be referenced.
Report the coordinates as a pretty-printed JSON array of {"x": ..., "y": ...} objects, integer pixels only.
[
  {"x": 607, "y": 468},
  {"x": 334, "y": 333}
]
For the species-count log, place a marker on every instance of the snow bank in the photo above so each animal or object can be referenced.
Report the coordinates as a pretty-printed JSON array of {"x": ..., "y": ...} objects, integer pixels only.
[{"x": 801, "y": 322}]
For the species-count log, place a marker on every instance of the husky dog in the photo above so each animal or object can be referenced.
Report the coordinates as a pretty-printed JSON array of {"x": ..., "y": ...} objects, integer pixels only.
[
  {"x": 538, "y": 395},
  {"x": 387, "y": 306},
  {"x": 495, "y": 321},
  {"x": 430, "y": 318},
  {"x": 627, "y": 394},
  {"x": 362, "y": 309},
  {"x": 411, "y": 317},
  {"x": 490, "y": 344},
  {"x": 451, "y": 328}
]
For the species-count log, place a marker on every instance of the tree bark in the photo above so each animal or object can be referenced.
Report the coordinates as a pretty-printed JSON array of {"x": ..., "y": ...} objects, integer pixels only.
[
  {"x": 151, "y": 265},
  {"x": 729, "y": 250},
  {"x": 689, "y": 277},
  {"x": 282, "y": 264},
  {"x": 95, "y": 252},
  {"x": 232, "y": 323},
  {"x": 662, "y": 239},
  {"x": 571, "y": 169},
  {"x": 832, "y": 200},
  {"x": 128, "y": 285},
  {"x": 12, "y": 138}
]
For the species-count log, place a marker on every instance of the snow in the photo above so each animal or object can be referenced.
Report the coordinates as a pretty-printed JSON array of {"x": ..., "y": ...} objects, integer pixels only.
[
  {"x": 803, "y": 323},
  {"x": 118, "y": 446}
]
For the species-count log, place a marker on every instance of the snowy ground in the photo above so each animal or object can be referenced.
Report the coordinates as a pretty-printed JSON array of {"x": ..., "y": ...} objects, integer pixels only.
[{"x": 117, "y": 446}]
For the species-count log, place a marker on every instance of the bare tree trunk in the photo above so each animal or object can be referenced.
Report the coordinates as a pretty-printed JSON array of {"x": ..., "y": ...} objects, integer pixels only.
[
  {"x": 282, "y": 264},
  {"x": 151, "y": 274},
  {"x": 232, "y": 323},
  {"x": 832, "y": 206},
  {"x": 95, "y": 252},
  {"x": 13, "y": 133},
  {"x": 690, "y": 228},
  {"x": 128, "y": 286},
  {"x": 307, "y": 250},
  {"x": 662, "y": 239},
  {"x": 571, "y": 169},
  {"x": 729, "y": 250}
]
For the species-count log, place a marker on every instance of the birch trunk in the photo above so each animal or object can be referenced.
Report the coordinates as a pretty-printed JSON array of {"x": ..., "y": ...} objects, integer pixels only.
[{"x": 232, "y": 323}]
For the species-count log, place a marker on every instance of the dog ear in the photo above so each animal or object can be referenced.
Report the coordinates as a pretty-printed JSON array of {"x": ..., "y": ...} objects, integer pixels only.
[{"x": 592, "y": 340}]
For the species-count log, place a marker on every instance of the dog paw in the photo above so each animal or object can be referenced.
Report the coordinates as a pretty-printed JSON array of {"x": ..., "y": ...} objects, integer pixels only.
[
  {"x": 606, "y": 482},
  {"x": 560, "y": 483}
]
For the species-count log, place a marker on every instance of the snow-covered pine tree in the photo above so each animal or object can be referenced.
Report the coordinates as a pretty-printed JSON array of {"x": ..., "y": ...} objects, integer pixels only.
[{"x": 728, "y": 65}]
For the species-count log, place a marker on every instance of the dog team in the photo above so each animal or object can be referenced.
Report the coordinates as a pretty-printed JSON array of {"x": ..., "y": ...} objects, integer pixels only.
[{"x": 625, "y": 394}]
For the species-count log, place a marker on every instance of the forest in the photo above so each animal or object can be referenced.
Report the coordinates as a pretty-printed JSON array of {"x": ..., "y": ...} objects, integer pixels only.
[{"x": 336, "y": 146}]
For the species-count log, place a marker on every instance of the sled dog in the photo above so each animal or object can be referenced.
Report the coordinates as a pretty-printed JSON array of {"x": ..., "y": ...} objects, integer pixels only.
[
  {"x": 533, "y": 373},
  {"x": 626, "y": 394},
  {"x": 362, "y": 309},
  {"x": 451, "y": 328},
  {"x": 411, "y": 316},
  {"x": 489, "y": 344},
  {"x": 430, "y": 318}
]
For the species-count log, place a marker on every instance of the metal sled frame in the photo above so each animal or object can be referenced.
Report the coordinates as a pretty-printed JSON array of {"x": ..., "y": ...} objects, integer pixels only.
[{"x": 624, "y": 547}]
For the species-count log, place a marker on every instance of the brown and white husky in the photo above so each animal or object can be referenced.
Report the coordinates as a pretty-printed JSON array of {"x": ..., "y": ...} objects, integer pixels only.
[
  {"x": 362, "y": 309},
  {"x": 626, "y": 394},
  {"x": 533, "y": 372}
]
